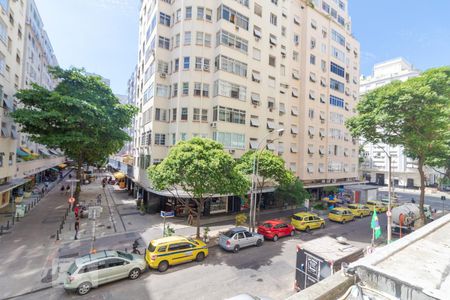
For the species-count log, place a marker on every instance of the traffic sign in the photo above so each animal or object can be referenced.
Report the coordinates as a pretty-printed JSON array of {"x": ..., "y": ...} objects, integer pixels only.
[
  {"x": 388, "y": 213},
  {"x": 71, "y": 200},
  {"x": 167, "y": 214},
  {"x": 443, "y": 198}
]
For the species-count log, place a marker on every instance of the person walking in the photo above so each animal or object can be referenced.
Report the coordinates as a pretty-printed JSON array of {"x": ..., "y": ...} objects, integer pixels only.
[
  {"x": 99, "y": 199},
  {"x": 62, "y": 189},
  {"x": 68, "y": 190},
  {"x": 77, "y": 210},
  {"x": 77, "y": 227}
]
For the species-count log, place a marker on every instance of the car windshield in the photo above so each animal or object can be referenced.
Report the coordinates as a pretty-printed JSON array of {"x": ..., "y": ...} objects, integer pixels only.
[
  {"x": 352, "y": 206},
  {"x": 297, "y": 218},
  {"x": 336, "y": 212},
  {"x": 229, "y": 233},
  {"x": 192, "y": 241},
  {"x": 151, "y": 247},
  {"x": 125, "y": 255},
  {"x": 73, "y": 267},
  {"x": 267, "y": 225}
]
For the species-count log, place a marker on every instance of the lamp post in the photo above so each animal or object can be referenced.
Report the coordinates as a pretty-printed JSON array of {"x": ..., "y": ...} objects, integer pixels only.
[
  {"x": 388, "y": 213},
  {"x": 252, "y": 214}
]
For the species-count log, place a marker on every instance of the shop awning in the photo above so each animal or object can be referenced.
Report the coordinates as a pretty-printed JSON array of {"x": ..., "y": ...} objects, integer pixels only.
[
  {"x": 54, "y": 169},
  {"x": 62, "y": 166},
  {"x": 119, "y": 175},
  {"x": 12, "y": 184},
  {"x": 53, "y": 151},
  {"x": 21, "y": 153},
  {"x": 44, "y": 151},
  {"x": 27, "y": 150}
]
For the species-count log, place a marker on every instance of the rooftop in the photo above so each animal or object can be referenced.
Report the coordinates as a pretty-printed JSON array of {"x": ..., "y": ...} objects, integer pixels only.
[{"x": 329, "y": 248}]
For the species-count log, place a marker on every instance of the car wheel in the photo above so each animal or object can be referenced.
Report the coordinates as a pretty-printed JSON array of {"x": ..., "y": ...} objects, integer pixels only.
[
  {"x": 163, "y": 266},
  {"x": 275, "y": 238},
  {"x": 292, "y": 232},
  {"x": 343, "y": 221},
  {"x": 322, "y": 226},
  {"x": 84, "y": 288},
  {"x": 236, "y": 249},
  {"x": 361, "y": 216},
  {"x": 258, "y": 243},
  {"x": 134, "y": 274},
  {"x": 200, "y": 256},
  {"x": 307, "y": 229}
]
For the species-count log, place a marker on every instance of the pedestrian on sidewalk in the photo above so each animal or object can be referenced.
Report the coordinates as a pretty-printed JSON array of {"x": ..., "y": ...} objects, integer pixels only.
[
  {"x": 68, "y": 190},
  {"x": 77, "y": 210},
  {"x": 62, "y": 189},
  {"x": 99, "y": 199},
  {"x": 70, "y": 176},
  {"x": 77, "y": 227}
]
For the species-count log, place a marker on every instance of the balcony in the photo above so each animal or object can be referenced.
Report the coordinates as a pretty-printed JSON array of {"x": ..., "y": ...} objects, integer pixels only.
[{"x": 27, "y": 168}]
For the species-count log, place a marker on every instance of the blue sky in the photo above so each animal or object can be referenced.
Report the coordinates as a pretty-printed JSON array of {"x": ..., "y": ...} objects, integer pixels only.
[{"x": 101, "y": 35}]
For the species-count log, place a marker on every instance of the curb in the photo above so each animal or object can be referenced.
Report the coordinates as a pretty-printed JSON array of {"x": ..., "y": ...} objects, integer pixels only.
[{"x": 30, "y": 292}]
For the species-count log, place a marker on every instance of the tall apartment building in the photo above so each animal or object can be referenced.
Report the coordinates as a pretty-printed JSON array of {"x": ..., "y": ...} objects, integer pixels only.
[
  {"x": 25, "y": 52},
  {"x": 237, "y": 70},
  {"x": 375, "y": 166}
]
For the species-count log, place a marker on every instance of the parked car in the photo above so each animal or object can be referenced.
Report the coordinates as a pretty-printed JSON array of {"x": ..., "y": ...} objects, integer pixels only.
[
  {"x": 359, "y": 210},
  {"x": 237, "y": 238},
  {"x": 307, "y": 221},
  {"x": 341, "y": 214},
  {"x": 274, "y": 229},
  {"x": 93, "y": 270},
  {"x": 378, "y": 205},
  {"x": 168, "y": 251}
]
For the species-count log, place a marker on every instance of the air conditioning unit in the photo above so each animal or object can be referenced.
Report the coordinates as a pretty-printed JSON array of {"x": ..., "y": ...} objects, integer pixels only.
[
  {"x": 236, "y": 27},
  {"x": 205, "y": 68},
  {"x": 162, "y": 75},
  {"x": 213, "y": 124}
]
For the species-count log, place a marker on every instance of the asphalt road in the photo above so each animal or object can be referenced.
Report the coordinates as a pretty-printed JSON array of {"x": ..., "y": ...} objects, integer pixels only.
[
  {"x": 265, "y": 271},
  {"x": 433, "y": 200}
]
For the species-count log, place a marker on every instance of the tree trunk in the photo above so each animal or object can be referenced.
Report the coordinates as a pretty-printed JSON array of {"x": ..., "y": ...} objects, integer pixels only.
[
  {"x": 200, "y": 205},
  {"x": 259, "y": 202},
  {"x": 78, "y": 187},
  {"x": 422, "y": 194}
]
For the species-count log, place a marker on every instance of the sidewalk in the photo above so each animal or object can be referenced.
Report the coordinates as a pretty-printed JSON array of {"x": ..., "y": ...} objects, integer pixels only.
[{"x": 28, "y": 249}]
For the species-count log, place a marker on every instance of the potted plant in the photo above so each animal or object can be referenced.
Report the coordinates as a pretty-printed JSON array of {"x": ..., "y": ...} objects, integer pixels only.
[
  {"x": 241, "y": 219},
  {"x": 206, "y": 230},
  {"x": 143, "y": 208},
  {"x": 168, "y": 231},
  {"x": 138, "y": 203}
]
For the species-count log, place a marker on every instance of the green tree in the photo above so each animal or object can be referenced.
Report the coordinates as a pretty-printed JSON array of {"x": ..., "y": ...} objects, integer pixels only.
[
  {"x": 270, "y": 168},
  {"x": 414, "y": 114},
  {"x": 201, "y": 168},
  {"x": 292, "y": 192},
  {"x": 81, "y": 116}
]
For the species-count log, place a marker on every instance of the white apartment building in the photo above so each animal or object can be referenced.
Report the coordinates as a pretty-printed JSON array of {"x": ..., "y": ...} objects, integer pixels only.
[
  {"x": 25, "y": 52},
  {"x": 375, "y": 166},
  {"x": 237, "y": 70}
]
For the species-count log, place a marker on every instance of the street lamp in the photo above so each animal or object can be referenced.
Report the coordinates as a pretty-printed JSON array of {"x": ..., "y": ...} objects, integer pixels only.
[{"x": 252, "y": 214}]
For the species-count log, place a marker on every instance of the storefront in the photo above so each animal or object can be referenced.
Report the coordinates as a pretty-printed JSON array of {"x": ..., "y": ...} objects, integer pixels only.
[{"x": 216, "y": 205}]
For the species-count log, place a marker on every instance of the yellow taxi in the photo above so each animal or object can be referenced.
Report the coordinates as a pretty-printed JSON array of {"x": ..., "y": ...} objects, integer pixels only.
[
  {"x": 306, "y": 221},
  {"x": 379, "y": 206},
  {"x": 168, "y": 251},
  {"x": 341, "y": 214},
  {"x": 359, "y": 210}
]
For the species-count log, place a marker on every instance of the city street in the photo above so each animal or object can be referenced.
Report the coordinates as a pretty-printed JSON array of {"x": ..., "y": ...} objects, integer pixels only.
[
  {"x": 265, "y": 271},
  {"x": 405, "y": 195}
]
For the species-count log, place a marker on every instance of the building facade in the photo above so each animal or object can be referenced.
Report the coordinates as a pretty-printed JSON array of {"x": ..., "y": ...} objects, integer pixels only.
[
  {"x": 237, "y": 70},
  {"x": 25, "y": 53},
  {"x": 375, "y": 166}
]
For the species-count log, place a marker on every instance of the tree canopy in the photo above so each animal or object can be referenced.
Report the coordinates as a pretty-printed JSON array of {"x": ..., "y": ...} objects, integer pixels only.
[
  {"x": 292, "y": 192},
  {"x": 201, "y": 168},
  {"x": 414, "y": 114},
  {"x": 81, "y": 116}
]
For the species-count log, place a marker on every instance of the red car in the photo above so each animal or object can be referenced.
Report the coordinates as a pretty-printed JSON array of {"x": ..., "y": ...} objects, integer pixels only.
[{"x": 274, "y": 229}]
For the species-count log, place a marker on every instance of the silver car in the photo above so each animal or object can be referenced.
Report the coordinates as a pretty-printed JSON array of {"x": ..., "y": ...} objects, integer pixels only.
[
  {"x": 237, "y": 238},
  {"x": 93, "y": 270}
]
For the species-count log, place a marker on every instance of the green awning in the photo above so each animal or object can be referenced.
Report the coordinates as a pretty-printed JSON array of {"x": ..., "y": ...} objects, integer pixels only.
[
  {"x": 54, "y": 169},
  {"x": 21, "y": 153}
]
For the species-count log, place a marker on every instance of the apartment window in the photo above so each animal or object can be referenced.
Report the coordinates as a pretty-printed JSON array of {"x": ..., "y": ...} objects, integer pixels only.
[
  {"x": 312, "y": 59},
  {"x": 256, "y": 99},
  {"x": 295, "y": 55},
  {"x": 177, "y": 40},
  {"x": 202, "y": 63},
  {"x": 338, "y": 54},
  {"x": 207, "y": 41},
  {"x": 228, "y": 39},
  {"x": 256, "y": 76},
  {"x": 282, "y": 70},
  {"x": 254, "y": 121},
  {"x": 256, "y": 54},
  {"x": 296, "y": 39},
  {"x": 272, "y": 60},
  {"x": 200, "y": 13},
  {"x": 185, "y": 88},
  {"x": 160, "y": 139},
  {"x": 230, "y": 140},
  {"x": 164, "y": 19},
  {"x": 3, "y": 32},
  {"x": 184, "y": 114},
  {"x": 178, "y": 15},
  {"x": 176, "y": 65},
  {"x": 175, "y": 90},
  {"x": 337, "y": 85},
  {"x": 271, "y": 82},
  {"x": 186, "y": 62},
  {"x": 199, "y": 38},
  {"x": 323, "y": 65},
  {"x": 258, "y": 10},
  {"x": 273, "y": 19},
  {"x": 282, "y": 108},
  {"x": 336, "y": 101},
  {"x": 311, "y": 113},
  {"x": 274, "y": 2},
  {"x": 257, "y": 32},
  {"x": 337, "y": 37},
  {"x": 326, "y": 7},
  {"x": 197, "y": 89},
  {"x": 341, "y": 20},
  {"x": 174, "y": 114},
  {"x": 273, "y": 40},
  {"x": 208, "y": 14},
  {"x": 231, "y": 65},
  {"x": 189, "y": 12},
  {"x": 283, "y": 30},
  {"x": 231, "y": 90},
  {"x": 226, "y": 13},
  {"x": 229, "y": 115},
  {"x": 313, "y": 43},
  {"x": 163, "y": 67},
  {"x": 205, "y": 91},
  {"x": 338, "y": 70},
  {"x": 204, "y": 115},
  {"x": 162, "y": 90},
  {"x": 196, "y": 115},
  {"x": 270, "y": 103},
  {"x": 295, "y": 92},
  {"x": 164, "y": 42},
  {"x": 187, "y": 37},
  {"x": 296, "y": 20},
  {"x": 313, "y": 24}
]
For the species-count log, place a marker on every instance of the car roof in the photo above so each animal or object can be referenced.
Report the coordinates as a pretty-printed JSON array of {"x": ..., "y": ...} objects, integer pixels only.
[
  {"x": 305, "y": 214},
  {"x": 168, "y": 239},
  {"x": 238, "y": 229},
  {"x": 95, "y": 256},
  {"x": 340, "y": 208},
  {"x": 273, "y": 221}
]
